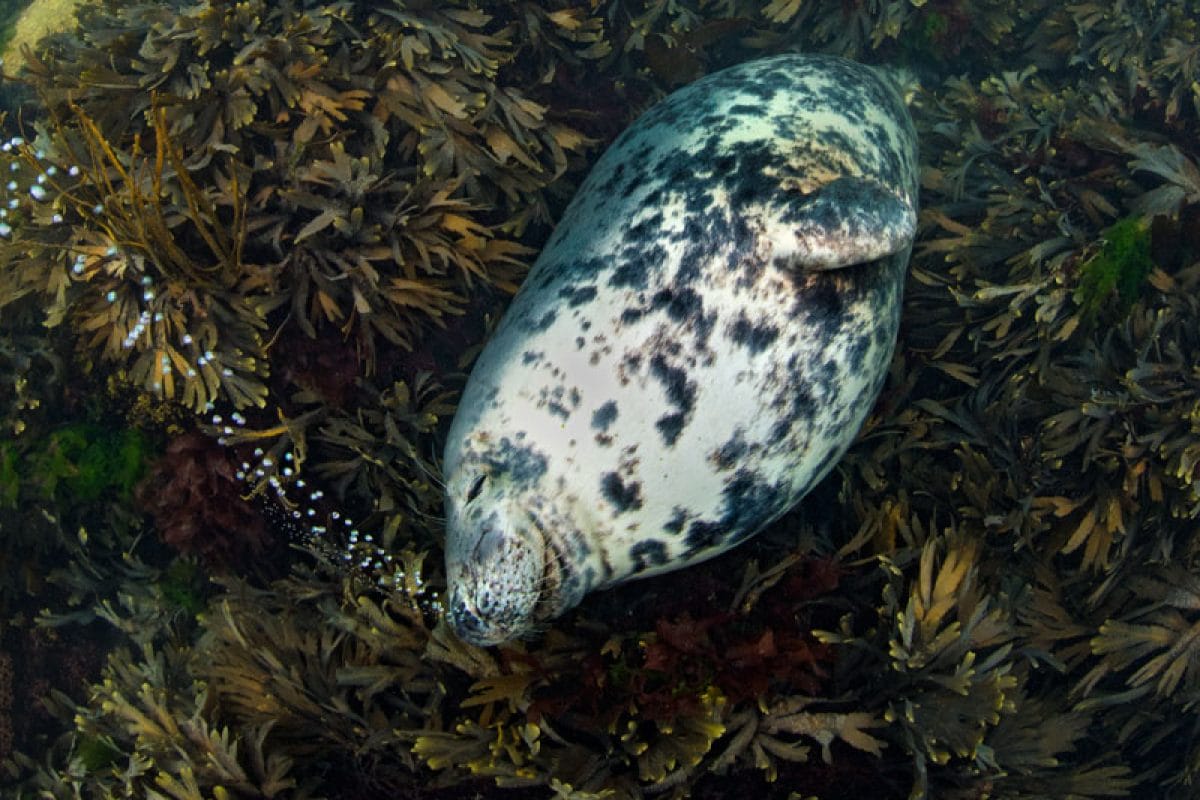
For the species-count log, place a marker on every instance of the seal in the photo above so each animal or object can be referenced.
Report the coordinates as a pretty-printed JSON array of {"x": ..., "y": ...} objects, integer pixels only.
[{"x": 697, "y": 345}]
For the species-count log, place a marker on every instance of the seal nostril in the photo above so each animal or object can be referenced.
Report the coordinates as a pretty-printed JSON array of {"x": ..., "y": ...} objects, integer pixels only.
[{"x": 463, "y": 619}]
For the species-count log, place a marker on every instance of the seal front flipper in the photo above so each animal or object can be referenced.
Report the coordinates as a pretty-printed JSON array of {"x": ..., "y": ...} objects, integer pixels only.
[{"x": 847, "y": 221}]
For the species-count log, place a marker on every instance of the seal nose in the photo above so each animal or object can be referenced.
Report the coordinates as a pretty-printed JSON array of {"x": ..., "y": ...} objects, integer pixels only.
[
  {"x": 466, "y": 624},
  {"x": 494, "y": 571}
]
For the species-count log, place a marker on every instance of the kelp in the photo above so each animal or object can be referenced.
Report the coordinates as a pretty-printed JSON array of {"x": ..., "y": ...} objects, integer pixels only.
[{"x": 272, "y": 170}]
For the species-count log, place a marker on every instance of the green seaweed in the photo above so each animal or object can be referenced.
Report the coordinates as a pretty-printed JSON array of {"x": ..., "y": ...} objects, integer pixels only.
[
  {"x": 1119, "y": 269},
  {"x": 88, "y": 462},
  {"x": 95, "y": 753},
  {"x": 10, "y": 479},
  {"x": 183, "y": 586},
  {"x": 10, "y": 12}
]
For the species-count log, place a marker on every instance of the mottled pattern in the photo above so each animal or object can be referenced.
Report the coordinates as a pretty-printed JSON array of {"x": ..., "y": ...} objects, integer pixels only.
[{"x": 697, "y": 345}]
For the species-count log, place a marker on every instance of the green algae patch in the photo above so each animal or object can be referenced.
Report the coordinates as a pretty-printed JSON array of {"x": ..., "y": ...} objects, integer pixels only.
[
  {"x": 1119, "y": 268},
  {"x": 10, "y": 480},
  {"x": 25, "y": 23},
  {"x": 88, "y": 462}
]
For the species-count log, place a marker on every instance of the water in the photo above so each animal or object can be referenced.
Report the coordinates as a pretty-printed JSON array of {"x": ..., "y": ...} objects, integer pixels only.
[{"x": 249, "y": 252}]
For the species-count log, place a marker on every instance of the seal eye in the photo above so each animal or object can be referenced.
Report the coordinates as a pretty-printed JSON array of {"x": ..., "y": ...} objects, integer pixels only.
[{"x": 476, "y": 488}]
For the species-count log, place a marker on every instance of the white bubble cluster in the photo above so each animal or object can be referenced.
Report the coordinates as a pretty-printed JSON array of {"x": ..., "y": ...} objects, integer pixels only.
[
  {"x": 44, "y": 189},
  {"x": 28, "y": 180},
  {"x": 308, "y": 513}
]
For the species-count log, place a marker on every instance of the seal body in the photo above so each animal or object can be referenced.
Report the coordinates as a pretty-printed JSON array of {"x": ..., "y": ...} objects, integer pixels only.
[{"x": 698, "y": 344}]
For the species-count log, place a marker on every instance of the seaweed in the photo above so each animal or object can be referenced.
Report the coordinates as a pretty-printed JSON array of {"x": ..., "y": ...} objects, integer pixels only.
[
  {"x": 1120, "y": 267},
  {"x": 196, "y": 500},
  {"x": 86, "y": 462},
  {"x": 10, "y": 480},
  {"x": 992, "y": 595},
  {"x": 181, "y": 255}
]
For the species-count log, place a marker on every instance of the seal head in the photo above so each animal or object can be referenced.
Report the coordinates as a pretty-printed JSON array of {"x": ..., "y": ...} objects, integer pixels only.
[{"x": 496, "y": 562}]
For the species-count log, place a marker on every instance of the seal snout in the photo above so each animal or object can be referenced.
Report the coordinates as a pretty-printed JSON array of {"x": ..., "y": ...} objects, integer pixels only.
[
  {"x": 468, "y": 624},
  {"x": 495, "y": 591}
]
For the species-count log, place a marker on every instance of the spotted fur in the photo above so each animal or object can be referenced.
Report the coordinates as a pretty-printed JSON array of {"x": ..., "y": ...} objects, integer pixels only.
[{"x": 696, "y": 347}]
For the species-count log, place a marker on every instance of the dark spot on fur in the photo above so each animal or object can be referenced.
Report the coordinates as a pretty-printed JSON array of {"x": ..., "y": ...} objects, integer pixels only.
[
  {"x": 703, "y": 534},
  {"x": 623, "y": 496},
  {"x": 629, "y": 274},
  {"x": 678, "y": 519},
  {"x": 647, "y": 229},
  {"x": 822, "y": 301},
  {"x": 754, "y": 336},
  {"x": 577, "y": 296},
  {"x": 685, "y": 305},
  {"x": 604, "y": 416},
  {"x": 670, "y": 426},
  {"x": 802, "y": 408},
  {"x": 647, "y": 553},
  {"x": 856, "y": 351},
  {"x": 750, "y": 503},
  {"x": 681, "y": 392},
  {"x": 729, "y": 454},
  {"x": 522, "y": 463}
]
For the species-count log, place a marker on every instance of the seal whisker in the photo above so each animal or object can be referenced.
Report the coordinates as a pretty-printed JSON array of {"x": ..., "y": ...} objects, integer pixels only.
[
  {"x": 431, "y": 469},
  {"x": 428, "y": 516}
]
